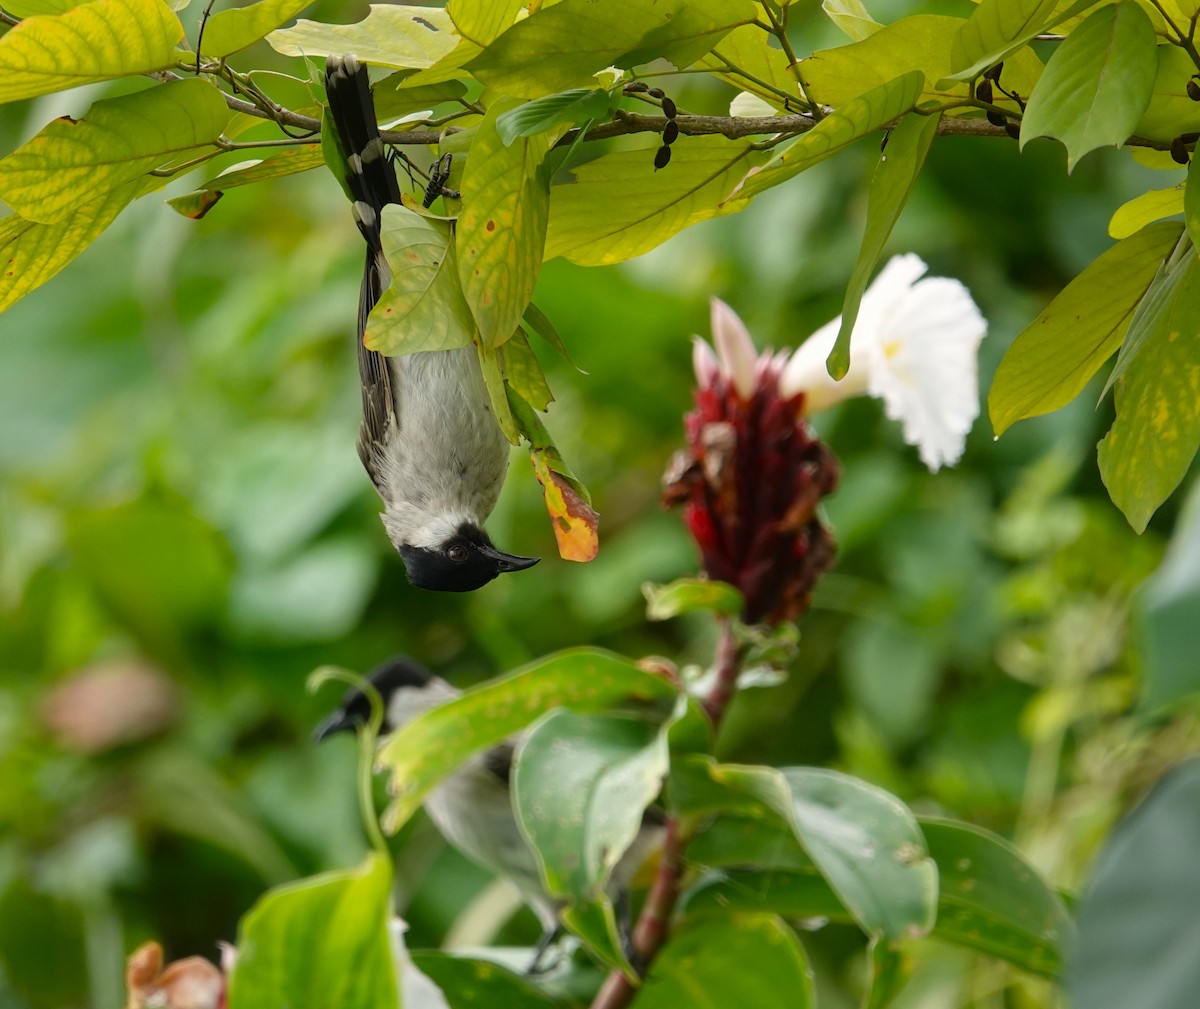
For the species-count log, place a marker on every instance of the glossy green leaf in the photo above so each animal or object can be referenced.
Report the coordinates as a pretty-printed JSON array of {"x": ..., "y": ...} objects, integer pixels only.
[
  {"x": 32, "y": 8},
  {"x": 523, "y": 372},
  {"x": 748, "y": 49},
  {"x": 1138, "y": 929},
  {"x": 563, "y": 45},
  {"x": 570, "y": 108},
  {"x": 1165, "y": 610},
  {"x": 852, "y": 17},
  {"x": 469, "y": 983},
  {"x": 321, "y": 941},
  {"x": 498, "y": 390},
  {"x": 390, "y": 35},
  {"x": 423, "y": 308},
  {"x": 70, "y": 162},
  {"x": 501, "y": 232},
  {"x": 1153, "y": 205},
  {"x": 1170, "y": 112},
  {"x": 992, "y": 900},
  {"x": 792, "y": 893},
  {"x": 536, "y": 321},
  {"x": 228, "y": 31},
  {"x": 1191, "y": 203},
  {"x": 1152, "y": 442},
  {"x": 995, "y": 30},
  {"x": 432, "y": 745},
  {"x": 691, "y": 595},
  {"x": 742, "y": 959},
  {"x": 921, "y": 42},
  {"x": 864, "y": 841},
  {"x": 482, "y": 21},
  {"x": 393, "y": 99},
  {"x": 643, "y": 208},
  {"x": 1051, "y": 361},
  {"x": 865, "y": 114},
  {"x": 574, "y": 520},
  {"x": 747, "y": 840},
  {"x": 1097, "y": 84},
  {"x": 896, "y": 172},
  {"x": 93, "y": 42},
  {"x": 32, "y": 253}
]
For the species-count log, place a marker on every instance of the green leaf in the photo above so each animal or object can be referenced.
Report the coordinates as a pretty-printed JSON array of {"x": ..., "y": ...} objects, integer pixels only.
[
  {"x": 852, "y": 17},
  {"x": 575, "y": 522},
  {"x": 1151, "y": 444},
  {"x": 228, "y": 31},
  {"x": 642, "y": 208},
  {"x": 858, "y": 117},
  {"x": 393, "y": 99},
  {"x": 482, "y": 21},
  {"x": 32, "y": 8},
  {"x": 523, "y": 372},
  {"x": 537, "y": 321},
  {"x": 469, "y": 983},
  {"x": 120, "y": 139},
  {"x": 399, "y": 35},
  {"x": 741, "y": 959},
  {"x": 748, "y": 840},
  {"x": 791, "y": 893},
  {"x": 895, "y": 175},
  {"x": 423, "y": 308},
  {"x": 1170, "y": 112},
  {"x": 435, "y": 743},
  {"x": 1097, "y": 84},
  {"x": 93, "y": 42},
  {"x": 570, "y": 108},
  {"x": 1051, "y": 361},
  {"x": 1165, "y": 606},
  {"x": 864, "y": 841},
  {"x": 195, "y": 205},
  {"x": 921, "y": 42},
  {"x": 563, "y": 45},
  {"x": 994, "y": 31},
  {"x": 323, "y": 941},
  {"x": 1191, "y": 204},
  {"x": 1137, "y": 918},
  {"x": 501, "y": 232},
  {"x": 498, "y": 391},
  {"x": 32, "y": 253},
  {"x": 992, "y": 900},
  {"x": 748, "y": 48},
  {"x": 691, "y": 595},
  {"x": 289, "y": 161},
  {"x": 1154, "y": 205}
]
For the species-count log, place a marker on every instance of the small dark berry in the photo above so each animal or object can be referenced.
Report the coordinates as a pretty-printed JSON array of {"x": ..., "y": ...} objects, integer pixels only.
[
  {"x": 655, "y": 92},
  {"x": 983, "y": 91},
  {"x": 995, "y": 118},
  {"x": 661, "y": 157},
  {"x": 1013, "y": 130},
  {"x": 670, "y": 132},
  {"x": 635, "y": 88},
  {"x": 993, "y": 74},
  {"x": 1193, "y": 90},
  {"x": 1179, "y": 151},
  {"x": 669, "y": 109}
]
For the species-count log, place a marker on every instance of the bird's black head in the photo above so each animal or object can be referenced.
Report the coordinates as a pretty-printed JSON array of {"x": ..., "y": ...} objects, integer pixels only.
[
  {"x": 355, "y": 710},
  {"x": 465, "y": 561}
]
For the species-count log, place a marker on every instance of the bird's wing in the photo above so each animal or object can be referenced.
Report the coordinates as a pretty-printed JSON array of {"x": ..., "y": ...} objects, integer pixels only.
[{"x": 498, "y": 761}]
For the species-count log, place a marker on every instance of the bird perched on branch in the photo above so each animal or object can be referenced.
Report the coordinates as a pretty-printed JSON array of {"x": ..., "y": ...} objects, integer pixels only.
[
  {"x": 429, "y": 440},
  {"x": 472, "y": 808}
]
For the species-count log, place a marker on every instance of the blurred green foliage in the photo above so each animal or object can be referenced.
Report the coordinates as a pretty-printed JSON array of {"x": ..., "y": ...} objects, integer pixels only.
[{"x": 182, "y": 515}]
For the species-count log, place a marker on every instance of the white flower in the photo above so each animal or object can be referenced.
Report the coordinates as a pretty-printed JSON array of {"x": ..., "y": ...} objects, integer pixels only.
[{"x": 914, "y": 345}]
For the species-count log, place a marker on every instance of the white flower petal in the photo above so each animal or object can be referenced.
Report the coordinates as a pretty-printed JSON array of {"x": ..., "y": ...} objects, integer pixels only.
[
  {"x": 734, "y": 347},
  {"x": 806, "y": 371},
  {"x": 924, "y": 367},
  {"x": 704, "y": 363}
]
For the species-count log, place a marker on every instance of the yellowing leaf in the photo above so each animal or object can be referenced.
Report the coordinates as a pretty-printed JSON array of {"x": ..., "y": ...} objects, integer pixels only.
[
  {"x": 99, "y": 40},
  {"x": 390, "y": 35},
  {"x": 748, "y": 49},
  {"x": 228, "y": 31},
  {"x": 1170, "y": 112},
  {"x": 501, "y": 232},
  {"x": 195, "y": 205},
  {"x": 1154, "y": 205},
  {"x": 642, "y": 207},
  {"x": 118, "y": 140},
  {"x": 482, "y": 21}
]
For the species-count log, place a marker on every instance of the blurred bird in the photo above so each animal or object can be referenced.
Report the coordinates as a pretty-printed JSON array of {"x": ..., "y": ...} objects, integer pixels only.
[
  {"x": 473, "y": 806},
  {"x": 429, "y": 440}
]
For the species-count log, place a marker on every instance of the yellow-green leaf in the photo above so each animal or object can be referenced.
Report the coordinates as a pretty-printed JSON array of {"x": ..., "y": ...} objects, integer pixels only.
[
  {"x": 32, "y": 8},
  {"x": 195, "y": 205},
  {"x": 642, "y": 207},
  {"x": 228, "y": 31},
  {"x": 852, "y": 17},
  {"x": 482, "y": 21},
  {"x": 501, "y": 231},
  {"x": 397, "y": 35},
  {"x": 1191, "y": 203},
  {"x": 423, "y": 307},
  {"x": 524, "y": 373},
  {"x": 1154, "y": 205},
  {"x": 747, "y": 48},
  {"x": 498, "y": 391},
  {"x": 32, "y": 253},
  {"x": 93, "y": 42},
  {"x": 995, "y": 30},
  {"x": 118, "y": 140},
  {"x": 289, "y": 161},
  {"x": 1051, "y": 361},
  {"x": 858, "y": 117},
  {"x": 1170, "y": 112},
  {"x": 562, "y": 46}
]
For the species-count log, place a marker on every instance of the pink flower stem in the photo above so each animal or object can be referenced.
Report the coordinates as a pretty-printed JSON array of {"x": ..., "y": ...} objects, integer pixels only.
[{"x": 653, "y": 924}]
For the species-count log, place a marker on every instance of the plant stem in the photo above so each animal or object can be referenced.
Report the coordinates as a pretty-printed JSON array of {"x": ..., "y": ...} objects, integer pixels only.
[{"x": 728, "y": 665}]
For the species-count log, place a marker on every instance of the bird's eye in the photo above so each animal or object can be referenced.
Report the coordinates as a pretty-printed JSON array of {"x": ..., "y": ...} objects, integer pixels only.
[{"x": 457, "y": 553}]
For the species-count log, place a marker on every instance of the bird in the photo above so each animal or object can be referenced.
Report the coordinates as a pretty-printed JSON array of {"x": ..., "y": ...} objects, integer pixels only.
[
  {"x": 472, "y": 807},
  {"x": 429, "y": 439}
]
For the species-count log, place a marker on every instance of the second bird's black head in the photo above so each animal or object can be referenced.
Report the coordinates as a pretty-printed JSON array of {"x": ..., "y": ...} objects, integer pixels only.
[
  {"x": 354, "y": 712},
  {"x": 464, "y": 562}
]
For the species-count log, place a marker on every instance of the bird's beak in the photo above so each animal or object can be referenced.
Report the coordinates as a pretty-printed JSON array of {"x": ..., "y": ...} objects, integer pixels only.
[
  {"x": 509, "y": 562},
  {"x": 337, "y": 722}
]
